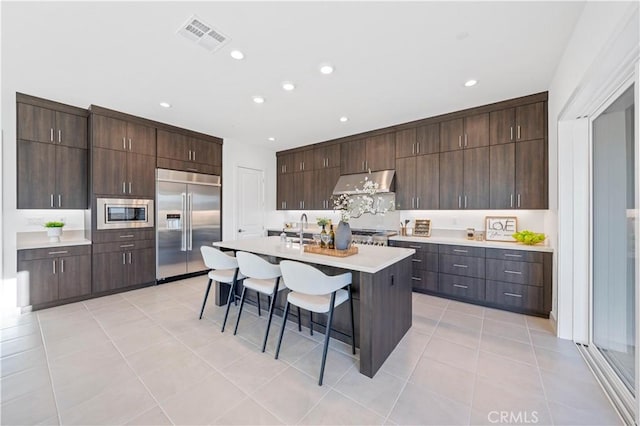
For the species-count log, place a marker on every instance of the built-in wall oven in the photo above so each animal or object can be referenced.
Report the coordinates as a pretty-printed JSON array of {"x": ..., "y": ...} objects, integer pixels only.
[{"x": 119, "y": 213}]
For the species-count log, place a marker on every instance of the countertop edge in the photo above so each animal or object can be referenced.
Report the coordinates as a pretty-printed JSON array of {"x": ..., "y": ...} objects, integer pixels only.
[{"x": 473, "y": 243}]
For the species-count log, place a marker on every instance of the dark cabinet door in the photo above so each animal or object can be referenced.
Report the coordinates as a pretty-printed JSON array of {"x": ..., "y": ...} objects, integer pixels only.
[
  {"x": 141, "y": 139},
  {"x": 286, "y": 196},
  {"x": 286, "y": 163},
  {"x": 140, "y": 267},
  {"x": 109, "y": 172},
  {"x": 71, "y": 130},
  {"x": 451, "y": 180},
  {"x": 476, "y": 131},
  {"x": 428, "y": 182},
  {"x": 43, "y": 279},
  {"x": 381, "y": 152},
  {"x": 75, "y": 276},
  {"x": 109, "y": 133},
  {"x": 108, "y": 271},
  {"x": 476, "y": 178},
  {"x": 428, "y": 139},
  {"x": 502, "y": 126},
  {"x": 502, "y": 170},
  {"x": 173, "y": 145},
  {"x": 71, "y": 178},
  {"x": 352, "y": 157},
  {"x": 405, "y": 183},
  {"x": 36, "y": 175},
  {"x": 405, "y": 143},
  {"x": 531, "y": 175},
  {"x": 530, "y": 122},
  {"x": 205, "y": 152},
  {"x": 35, "y": 123},
  {"x": 324, "y": 180},
  {"x": 216, "y": 154},
  {"x": 304, "y": 190},
  {"x": 327, "y": 157},
  {"x": 141, "y": 175},
  {"x": 451, "y": 135}
]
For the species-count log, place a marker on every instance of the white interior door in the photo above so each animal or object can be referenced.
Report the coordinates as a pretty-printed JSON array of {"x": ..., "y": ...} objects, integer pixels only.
[{"x": 250, "y": 208}]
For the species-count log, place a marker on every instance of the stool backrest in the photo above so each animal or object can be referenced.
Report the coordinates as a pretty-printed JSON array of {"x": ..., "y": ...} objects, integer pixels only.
[
  {"x": 253, "y": 266},
  {"x": 306, "y": 279},
  {"x": 216, "y": 259}
]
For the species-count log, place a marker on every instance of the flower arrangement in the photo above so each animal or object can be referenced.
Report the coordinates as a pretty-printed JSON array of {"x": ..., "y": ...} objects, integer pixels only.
[
  {"x": 364, "y": 201},
  {"x": 323, "y": 221}
]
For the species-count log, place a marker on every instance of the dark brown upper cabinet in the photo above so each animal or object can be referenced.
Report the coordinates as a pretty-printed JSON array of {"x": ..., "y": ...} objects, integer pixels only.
[
  {"x": 45, "y": 125},
  {"x": 370, "y": 154},
  {"x": 417, "y": 182},
  {"x": 463, "y": 133},
  {"x": 327, "y": 156},
  {"x": 121, "y": 135},
  {"x": 522, "y": 123},
  {"x": 118, "y": 173},
  {"x": 181, "y": 152},
  {"x": 324, "y": 181},
  {"x": 420, "y": 140},
  {"x": 286, "y": 163},
  {"x": 464, "y": 179},
  {"x": 303, "y": 160}
]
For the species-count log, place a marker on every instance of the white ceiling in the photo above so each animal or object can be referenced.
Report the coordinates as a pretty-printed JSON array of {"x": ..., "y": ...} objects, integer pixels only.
[{"x": 394, "y": 62}]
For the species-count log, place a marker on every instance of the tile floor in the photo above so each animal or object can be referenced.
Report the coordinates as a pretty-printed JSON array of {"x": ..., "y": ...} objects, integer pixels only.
[{"x": 144, "y": 358}]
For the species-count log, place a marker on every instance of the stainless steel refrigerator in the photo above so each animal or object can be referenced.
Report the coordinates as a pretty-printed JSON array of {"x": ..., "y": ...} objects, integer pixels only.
[{"x": 188, "y": 216}]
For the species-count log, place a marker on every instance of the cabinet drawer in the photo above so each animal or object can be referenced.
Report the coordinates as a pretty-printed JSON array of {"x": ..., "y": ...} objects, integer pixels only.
[
  {"x": 462, "y": 250},
  {"x": 519, "y": 255},
  {"x": 53, "y": 252},
  {"x": 462, "y": 265},
  {"x": 426, "y": 247},
  {"x": 188, "y": 166},
  {"x": 424, "y": 280},
  {"x": 123, "y": 246},
  {"x": 468, "y": 288},
  {"x": 515, "y": 272},
  {"x": 123, "y": 235},
  {"x": 514, "y": 295},
  {"x": 425, "y": 261}
]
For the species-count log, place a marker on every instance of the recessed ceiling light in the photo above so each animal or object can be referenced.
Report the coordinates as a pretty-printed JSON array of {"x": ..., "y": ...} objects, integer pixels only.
[
  {"x": 288, "y": 86},
  {"x": 344, "y": 119},
  {"x": 165, "y": 104},
  {"x": 258, "y": 99},
  {"x": 236, "y": 54},
  {"x": 271, "y": 139},
  {"x": 326, "y": 69},
  {"x": 470, "y": 83}
]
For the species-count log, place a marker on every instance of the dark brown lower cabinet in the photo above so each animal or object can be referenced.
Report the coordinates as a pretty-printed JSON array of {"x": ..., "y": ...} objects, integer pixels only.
[
  {"x": 462, "y": 287},
  {"x": 521, "y": 297},
  {"x": 424, "y": 276},
  {"x": 120, "y": 265},
  {"x": 56, "y": 274}
]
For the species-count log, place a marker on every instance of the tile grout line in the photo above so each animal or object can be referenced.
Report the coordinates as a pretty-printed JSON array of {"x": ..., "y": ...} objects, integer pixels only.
[
  {"x": 46, "y": 356},
  {"x": 475, "y": 378},
  {"x": 544, "y": 390}
]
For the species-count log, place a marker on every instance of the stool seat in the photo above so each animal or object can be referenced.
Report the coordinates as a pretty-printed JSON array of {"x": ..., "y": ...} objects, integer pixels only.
[
  {"x": 317, "y": 303},
  {"x": 224, "y": 275},
  {"x": 263, "y": 286}
]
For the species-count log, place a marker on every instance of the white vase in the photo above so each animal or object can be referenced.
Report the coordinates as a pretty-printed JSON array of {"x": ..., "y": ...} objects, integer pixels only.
[
  {"x": 54, "y": 234},
  {"x": 343, "y": 236}
]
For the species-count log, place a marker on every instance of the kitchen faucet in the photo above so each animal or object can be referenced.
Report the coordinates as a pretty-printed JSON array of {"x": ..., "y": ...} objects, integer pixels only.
[{"x": 306, "y": 222}]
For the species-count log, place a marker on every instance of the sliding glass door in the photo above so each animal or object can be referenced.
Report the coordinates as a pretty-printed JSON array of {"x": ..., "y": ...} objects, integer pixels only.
[{"x": 614, "y": 208}]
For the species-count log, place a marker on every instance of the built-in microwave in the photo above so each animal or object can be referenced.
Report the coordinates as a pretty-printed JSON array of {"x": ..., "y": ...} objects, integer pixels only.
[{"x": 117, "y": 213}]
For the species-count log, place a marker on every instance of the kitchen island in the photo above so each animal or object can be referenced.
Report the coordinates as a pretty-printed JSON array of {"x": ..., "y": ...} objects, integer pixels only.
[{"x": 381, "y": 293}]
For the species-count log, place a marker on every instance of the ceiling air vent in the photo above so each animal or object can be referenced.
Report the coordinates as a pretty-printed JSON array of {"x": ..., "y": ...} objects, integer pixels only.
[{"x": 203, "y": 34}]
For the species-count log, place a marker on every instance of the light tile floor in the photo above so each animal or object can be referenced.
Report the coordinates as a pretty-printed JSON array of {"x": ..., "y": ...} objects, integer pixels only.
[{"x": 144, "y": 358}]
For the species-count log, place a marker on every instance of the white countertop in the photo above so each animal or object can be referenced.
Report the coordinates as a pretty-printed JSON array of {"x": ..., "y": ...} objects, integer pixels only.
[
  {"x": 369, "y": 259},
  {"x": 35, "y": 240},
  {"x": 473, "y": 243}
]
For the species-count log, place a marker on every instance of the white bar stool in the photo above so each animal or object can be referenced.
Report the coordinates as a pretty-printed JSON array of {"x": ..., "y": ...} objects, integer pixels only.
[
  {"x": 262, "y": 277},
  {"x": 316, "y": 292},
  {"x": 224, "y": 269}
]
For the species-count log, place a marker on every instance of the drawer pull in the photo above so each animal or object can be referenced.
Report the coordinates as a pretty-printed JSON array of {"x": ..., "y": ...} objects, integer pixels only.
[
  {"x": 415, "y": 247},
  {"x": 461, "y": 286},
  {"x": 460, "y": 266},
  {"x": 59, "y": 252},
  {"x": 460, "y": 251},
  {"x": 127, "y": 236},
  {"x": 416, "y": 260},
  {"x": 127, "y": 245},
  {"x": 512, "y": 255},
  {"x": 512, "y": 295},
  {"x": 513, "y": 272},
  {"x": 416, "y": 279}
]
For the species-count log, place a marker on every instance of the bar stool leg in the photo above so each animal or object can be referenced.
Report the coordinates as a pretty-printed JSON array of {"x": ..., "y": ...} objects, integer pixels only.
[
  {"x": 232, "y": 294},
  {"x": 271, "y": 309},
  {"x": 353, "y": 329},
  {"x": 244, "y": 290},
  {"x": 327, "y": 337},
  {"x": 299, "y": 323},
  {"x": 311, "y": 323},
  {"x": 206, "y": 294},
  {"x": 258, "y": 297},
  {"x": 284, "y": 324}
]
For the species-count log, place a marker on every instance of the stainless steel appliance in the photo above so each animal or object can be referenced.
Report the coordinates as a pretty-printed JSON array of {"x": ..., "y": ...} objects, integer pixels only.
[
  {"x": 188, "y": 217},
  {"x": 371, "y": 237},
  {"x": 117, "y": 213}
]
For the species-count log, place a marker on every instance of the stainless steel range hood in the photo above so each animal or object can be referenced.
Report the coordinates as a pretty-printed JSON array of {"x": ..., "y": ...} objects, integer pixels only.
[{"x": 348, "y": 184}]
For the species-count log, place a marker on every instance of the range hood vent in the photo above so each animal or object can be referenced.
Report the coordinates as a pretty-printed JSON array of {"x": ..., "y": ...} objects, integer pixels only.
[
  {"x": 203, "y": 34},
  {"x": 349, "y": 184}
]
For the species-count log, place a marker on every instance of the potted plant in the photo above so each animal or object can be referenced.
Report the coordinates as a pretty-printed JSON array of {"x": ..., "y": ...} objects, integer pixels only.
[{"x": 54, "y": 230}]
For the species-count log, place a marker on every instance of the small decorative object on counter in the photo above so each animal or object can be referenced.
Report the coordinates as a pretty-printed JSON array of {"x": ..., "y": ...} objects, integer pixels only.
[
  {"x": 332, "y": 238},
  {"x": 54, "y": 231},
  {"x": 500, "y": 228},
  {"x": 323, "y": 221},
  {"x": 470, "y": 233},
  {"x": 529, "y": 237},
  {"x": 480, "y": 236},
  {"x": 422, "y": 228},
  {"x": 283, "y": 238},
  {"x": 403, "y": 227}
]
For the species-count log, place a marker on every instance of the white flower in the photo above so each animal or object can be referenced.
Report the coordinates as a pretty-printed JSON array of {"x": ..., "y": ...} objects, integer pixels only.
[{"x": 364, "y": 201}]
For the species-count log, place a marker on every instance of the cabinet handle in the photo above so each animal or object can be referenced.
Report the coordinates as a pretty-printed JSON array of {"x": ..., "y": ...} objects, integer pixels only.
[
  {"x": 519, "y": 133},
  {"x": 363, "y": 166},
  {"x": 327, "y": 161},
  {"x": 51, "y": 136},
  {"x": 127, "y": 236},
  {"x": 461, "y": 251},
  {"x": 512, "y": 255},
  {"x": 413, "y": 202},
  {"x": 124, "y": 143},
  {"x": 129, "y": 187},
  {"x": 460, "y": 141},
  {"x": 129, "y": 144},
  {"x": 418, "y": 148},
  {"x": 465, "y": 139},
  {"x": 59, "y": 200},
  {"x": 59, "y": 252},
  {"x": 52, "y": 201},
  {"x": 416, "y": 260},
  {"x": 459, "y": 201},
  {"x": 457, "y": 265},
  {"x": 124, "y": 187},
  {"x": 513, "y": 272},
  {"x": 518, "y": 200},
  {"x": 62, "y": 266},
  {"x": 366, "y": 165},
  {"x": 512, "y": 294},
  {"x": 465, "y": 201},
  {"x": 127, "y": 245},
  {"x": 129, "y": 258},
  {"x": 59, "y": 136},
  {"x": 416, "y": 279},
  {"x": 54, "y": 267},
  {"x": 413, "y": 148},
  {"x": 189, "y": 155},
  {"x": 417, "y": 202},
  {"x": 415, "y": 247},
  {"x": 511, "y": 130},
  {"x": 124, "y": 260},
  {"x": 461, "y": 286},
  {"x": 511, "y": 202}
]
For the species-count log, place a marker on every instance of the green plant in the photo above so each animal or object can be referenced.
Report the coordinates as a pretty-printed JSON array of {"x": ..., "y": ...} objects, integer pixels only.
[
  {"x": 529, "y": 237},
  {"x": 54, "y": 224},
  {"x": 322, "y": 221}
]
